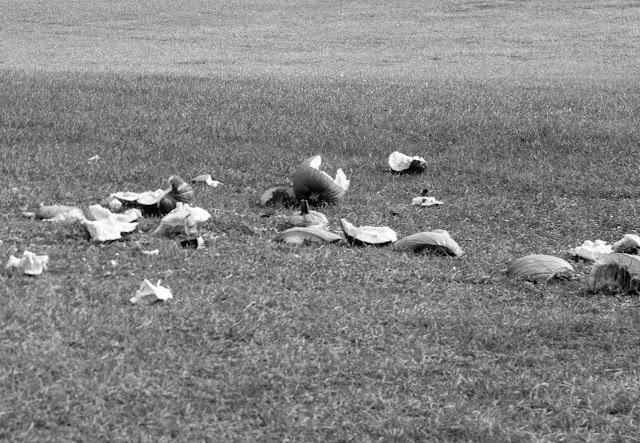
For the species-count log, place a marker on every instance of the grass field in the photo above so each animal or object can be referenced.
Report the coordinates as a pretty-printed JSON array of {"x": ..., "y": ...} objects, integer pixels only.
[{"x": 528, "y": 114}]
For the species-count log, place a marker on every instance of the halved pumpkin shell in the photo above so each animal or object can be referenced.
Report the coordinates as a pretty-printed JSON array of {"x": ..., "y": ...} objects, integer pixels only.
[
  {"x": 540, "y": 267},
  {"x": 618, "y": 272},
  {"x": 314, "y": 185},
  {"x": 368, "y": 235},
  {"x": 299, "y": 235},
  {"x": 437, "y": 241}
]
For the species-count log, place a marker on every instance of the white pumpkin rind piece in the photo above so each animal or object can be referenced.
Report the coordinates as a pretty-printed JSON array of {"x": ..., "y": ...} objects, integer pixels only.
[
  {"x": 341, "y": 180},
  {"x": 151, "y": 292},
  {"x": 308, "y": 217},
  {"x": 590, "y": 250},
  {"x": 182, "y": 220},
  {"x": 368, "y": 235},
  {"x": 540, "y": 267},
  {"x": 438, "y": 241},
  {"x": 401, "y": 163},
  {"x": 425, "y": 201},
  {"x": 206, "y": 179},
  {"x": 299, "y": 235},
  {"x": 59, "y": 213},
  {"x": 108, "y": 229},
  {"x": 618, "y": 272},
  {"x": 629, "y": 243},
  {"x": 28, "y": 264}
]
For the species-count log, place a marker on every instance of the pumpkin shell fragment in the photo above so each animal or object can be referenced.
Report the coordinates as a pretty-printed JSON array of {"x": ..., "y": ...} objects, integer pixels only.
[
  {"x": 618, "y": 272},
  {"x": 180, "y": 191},
  {"x": 314, "y": 185},
  {"x": 401, "y": 163},
  {"x": 308, "y": 217},
  {"x": 540, "y": 267},
  {"x": 630, "y": 243},
  {"x": 438, "y": 241},
  {"x": 279, "y": 195},
  {"x": 299, "y": 235},
  {"x": 368, "y": 235},
  {"x": 60, "y": 213}
]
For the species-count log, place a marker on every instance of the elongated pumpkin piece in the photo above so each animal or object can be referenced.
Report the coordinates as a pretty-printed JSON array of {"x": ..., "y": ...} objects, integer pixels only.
[
  {"x": 540, "y": 267},
  {"x": 437, "y": 241},
  {"x": 618, "y": 272},
  {"x": 299, "y": 235},
  {"x": 368, "y": 235}
]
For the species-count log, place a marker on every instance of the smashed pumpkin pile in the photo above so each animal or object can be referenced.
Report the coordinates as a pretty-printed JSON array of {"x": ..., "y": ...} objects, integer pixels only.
[{"x": 155, "y": 203}]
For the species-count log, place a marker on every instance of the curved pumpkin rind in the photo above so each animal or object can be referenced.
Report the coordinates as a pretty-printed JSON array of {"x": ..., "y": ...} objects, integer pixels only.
[
  {"x": 539, "y": 267},
  {"x": 438, "y": 241},
  {"x": 313, "y": 218},
  {"x": 617, "y": 271},
  {"x": 368, "y": 235},
  {"x": 314, "y": 185},
  {"x": 311, "y": 234}
]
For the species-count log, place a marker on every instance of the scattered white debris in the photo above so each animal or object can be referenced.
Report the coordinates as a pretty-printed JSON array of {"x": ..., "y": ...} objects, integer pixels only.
[
  {"x": 29, "y": 264},
  {"x": 154, "y": 292},
  {"x": 94, "y": 158},
  {"x": 425, "y": 201},
  {"x": 628, "y": 243},
  {"x": 590, "y": 250},
  {"x": 59, "y": 213},
  {"x": 152, "y": 252},
  {"x": 182, "y": 220},
  {"x": 207, "y": 179},
  {"x": 108, "y": 226}
]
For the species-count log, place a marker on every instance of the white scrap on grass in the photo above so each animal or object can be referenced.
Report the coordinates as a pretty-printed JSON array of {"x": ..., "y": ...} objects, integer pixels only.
[
  {"x": 29, "y": 263},
  {"x": 590, "y": 250},
  {"x": 109, "y": 226},
  {"x": 154, "y": 292},
  {"x": 425, "y": 201},
  {"x": 94, "y": 158},
  {"x": 152, "y": 252},
  {"x": 183, "y": 219},
  {"x": 628, "y": 243},
  {"x": 59, "y": 213},
  {"x": 206, "y": 178}
]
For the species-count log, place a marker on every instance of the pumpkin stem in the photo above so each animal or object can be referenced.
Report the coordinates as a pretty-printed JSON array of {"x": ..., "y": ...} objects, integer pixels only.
[{"x": 304, "y": 207}]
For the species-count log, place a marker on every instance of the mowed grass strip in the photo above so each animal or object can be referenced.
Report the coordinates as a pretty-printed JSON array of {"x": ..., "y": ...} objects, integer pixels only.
[
  {"x": 515, "y": 40},
  {"x": 271, "y": 342}
]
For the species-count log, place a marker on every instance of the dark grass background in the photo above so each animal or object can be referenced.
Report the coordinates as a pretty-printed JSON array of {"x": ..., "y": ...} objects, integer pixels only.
[{"x": 271, "y": 342}]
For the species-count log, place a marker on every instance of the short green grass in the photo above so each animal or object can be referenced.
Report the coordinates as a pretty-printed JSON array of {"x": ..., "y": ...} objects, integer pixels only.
[{"x": 272, "y": 342}]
